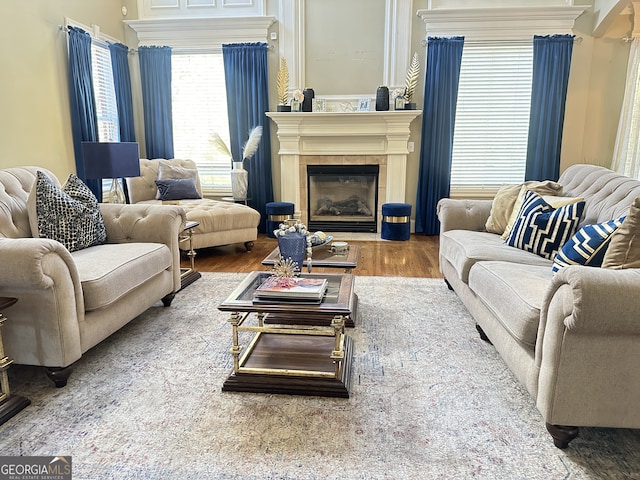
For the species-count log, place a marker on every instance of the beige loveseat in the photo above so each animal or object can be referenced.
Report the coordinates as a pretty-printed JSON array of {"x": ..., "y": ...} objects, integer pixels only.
[
  {"x": 573, "y": 338},
  {"x": 221, "y": 223},
  {"x": 70, "y": 301}
]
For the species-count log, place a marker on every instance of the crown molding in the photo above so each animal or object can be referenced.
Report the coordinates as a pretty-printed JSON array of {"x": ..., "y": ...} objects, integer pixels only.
[
  {"x": 200, "y": 33},
  {"x": 514, "y": 23}
]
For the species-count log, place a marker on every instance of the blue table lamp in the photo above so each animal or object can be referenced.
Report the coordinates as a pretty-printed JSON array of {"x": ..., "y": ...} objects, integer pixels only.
[{"x": 113, "y": 160}]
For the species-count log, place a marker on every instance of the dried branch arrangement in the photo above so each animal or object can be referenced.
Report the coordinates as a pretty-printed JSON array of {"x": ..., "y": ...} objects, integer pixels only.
[
  {"x": 412, "y": 78},
  {"x": 282, "y": 82}
]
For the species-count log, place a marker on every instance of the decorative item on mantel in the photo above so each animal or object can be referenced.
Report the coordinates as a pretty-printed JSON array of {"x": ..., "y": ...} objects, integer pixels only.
[
  {"x": 239, "y": 176},
  {"x": 307, "y": 103},
  {"x": 282, "y": 85},
  {"x": 411, "y": 81},
  {"x": 382, "y": 99},
  {"x": 296, "y": 101},
  {"x": 398, "y": 98}
]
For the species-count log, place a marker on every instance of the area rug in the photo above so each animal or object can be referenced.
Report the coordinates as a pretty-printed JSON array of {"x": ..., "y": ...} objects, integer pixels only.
[{"x": 429, "y": 400}]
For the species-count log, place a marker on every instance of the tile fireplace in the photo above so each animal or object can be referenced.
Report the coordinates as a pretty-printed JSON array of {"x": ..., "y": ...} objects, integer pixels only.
[{"x": 342, "y": 198}]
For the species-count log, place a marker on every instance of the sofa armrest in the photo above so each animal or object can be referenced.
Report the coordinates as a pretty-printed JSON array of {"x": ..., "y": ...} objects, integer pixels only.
[
  {"x": 457, "y": 214},
  {"x": 588, "y": 348},
  {"x": 41, "y": 273},
  {"x": 146, "y": 223}
]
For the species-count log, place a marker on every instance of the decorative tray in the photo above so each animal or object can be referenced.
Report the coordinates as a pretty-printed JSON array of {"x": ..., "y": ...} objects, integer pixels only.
[{"x": 326, "y": 241}]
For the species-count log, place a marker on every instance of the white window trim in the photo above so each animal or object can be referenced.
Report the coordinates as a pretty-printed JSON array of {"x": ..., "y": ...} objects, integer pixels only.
[
  {"x": 200, "y": 34},
  {"x": 512, "y": 23}
]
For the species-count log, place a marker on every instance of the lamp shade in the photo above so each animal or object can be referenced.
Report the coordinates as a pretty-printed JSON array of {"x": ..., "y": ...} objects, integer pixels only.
[{"x": 111, "y": 159}]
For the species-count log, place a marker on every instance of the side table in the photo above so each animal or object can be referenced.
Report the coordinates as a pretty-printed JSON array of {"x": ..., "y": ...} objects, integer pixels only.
[
  {"x": 10, "y": 405},
  {"x": 189, "y": 275}
]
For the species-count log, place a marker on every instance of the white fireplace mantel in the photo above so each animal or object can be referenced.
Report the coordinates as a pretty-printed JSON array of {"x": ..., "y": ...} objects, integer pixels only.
[{"x": 347, "y": 134}]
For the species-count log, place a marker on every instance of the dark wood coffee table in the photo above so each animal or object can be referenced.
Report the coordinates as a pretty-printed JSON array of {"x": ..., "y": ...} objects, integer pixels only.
[
  {"x": 302, "y": 350},
  {"x": 323, "y": 257}
]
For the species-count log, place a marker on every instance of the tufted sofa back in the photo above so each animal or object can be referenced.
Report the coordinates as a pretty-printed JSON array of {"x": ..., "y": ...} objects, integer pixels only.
[
  {"x": 15, "y": 185},
  {"x": 607, "y": 194},
  {"x": 144, "y": 187}
]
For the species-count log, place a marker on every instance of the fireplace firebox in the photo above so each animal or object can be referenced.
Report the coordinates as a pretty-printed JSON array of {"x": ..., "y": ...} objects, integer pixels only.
[{"x": 342, "y": 198}]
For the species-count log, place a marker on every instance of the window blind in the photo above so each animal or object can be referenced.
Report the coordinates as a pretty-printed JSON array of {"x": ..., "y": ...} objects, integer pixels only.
[
  {"x": 492, "y": 117},
  {"x": 199, "y": 103},
  {"x": 105, "y": 95}
]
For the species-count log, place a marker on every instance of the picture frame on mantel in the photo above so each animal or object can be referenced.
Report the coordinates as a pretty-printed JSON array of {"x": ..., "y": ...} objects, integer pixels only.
[{"x": 364, "y": 104}]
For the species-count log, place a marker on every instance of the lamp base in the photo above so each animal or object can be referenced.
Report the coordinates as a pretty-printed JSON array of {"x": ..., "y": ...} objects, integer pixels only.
[{"x": 116, "y": 194}]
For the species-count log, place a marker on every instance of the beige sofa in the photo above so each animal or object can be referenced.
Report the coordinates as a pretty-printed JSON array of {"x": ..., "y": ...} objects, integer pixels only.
[
  {"x": 573, "y": 338},
  {"x": 221, "y": 223},
  {"x": 70, "y": 301}
]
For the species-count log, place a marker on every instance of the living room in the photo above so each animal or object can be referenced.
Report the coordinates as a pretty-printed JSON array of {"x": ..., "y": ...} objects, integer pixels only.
[{"x": 428, "y": 398}]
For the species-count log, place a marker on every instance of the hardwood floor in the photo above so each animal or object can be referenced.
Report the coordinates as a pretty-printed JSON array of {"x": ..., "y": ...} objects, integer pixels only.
[{"x": 416, "y": 257}]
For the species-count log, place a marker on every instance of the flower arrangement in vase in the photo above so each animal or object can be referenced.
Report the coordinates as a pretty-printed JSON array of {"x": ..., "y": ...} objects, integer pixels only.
[
  {"x": 296, "y": 101},
  {"x": 239, "y": 176},
  {"x": 292, "y": 247}
]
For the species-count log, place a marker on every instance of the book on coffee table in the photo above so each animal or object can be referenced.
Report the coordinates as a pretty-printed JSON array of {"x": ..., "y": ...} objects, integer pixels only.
[{"x": 294, "y": 289}]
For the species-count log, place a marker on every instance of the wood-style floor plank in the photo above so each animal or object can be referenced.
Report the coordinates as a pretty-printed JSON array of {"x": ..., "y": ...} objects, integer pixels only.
[{"x": 416, "y": 257}]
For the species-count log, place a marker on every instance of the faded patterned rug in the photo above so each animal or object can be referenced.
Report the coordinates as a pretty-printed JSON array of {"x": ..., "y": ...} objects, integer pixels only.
[{"x": 429, "y": 400}]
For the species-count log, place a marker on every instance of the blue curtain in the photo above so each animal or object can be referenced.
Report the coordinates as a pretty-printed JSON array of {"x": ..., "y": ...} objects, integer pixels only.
[
  {"x": 444, "y": 56},
  {"x": 551, "y": 64},
  {"x": 155, "y": 76},
  {"x": 84, "y": 121},
  {"x": 246, "y": 77},
  {"x": 122, "y": 84}
]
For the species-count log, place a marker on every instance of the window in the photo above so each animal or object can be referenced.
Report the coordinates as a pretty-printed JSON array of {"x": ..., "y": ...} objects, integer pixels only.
[
  {"x": 105, "y": 98},
  {"x": 492, "y": 117},
  {"x": 199, "y": 103},
  {"x": 105, "y": 95}
]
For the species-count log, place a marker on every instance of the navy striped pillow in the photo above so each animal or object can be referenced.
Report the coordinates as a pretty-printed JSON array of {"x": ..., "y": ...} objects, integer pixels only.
[
  {"x": 587, "y": 246},
  {"x": 541, "y": 229}
]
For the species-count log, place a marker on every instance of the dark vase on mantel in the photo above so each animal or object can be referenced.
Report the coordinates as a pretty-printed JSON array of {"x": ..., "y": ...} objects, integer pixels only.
[
  {"x": 382, "y": 99},
  {"x": 307, "y": 103},
  {"x": 284, "y": 108}
]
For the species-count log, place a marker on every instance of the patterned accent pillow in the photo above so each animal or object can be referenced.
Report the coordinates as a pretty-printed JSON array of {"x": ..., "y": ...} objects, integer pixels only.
[
  {"x": 541, "y": 229},
  {"x": 70, "y": 215},
  {"x": 178, "y": 189},
  {"x": 587, "y": 246}
]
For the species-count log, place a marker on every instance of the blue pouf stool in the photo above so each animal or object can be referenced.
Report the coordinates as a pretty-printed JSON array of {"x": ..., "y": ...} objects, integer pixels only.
[
  {"x": 277, "y": 212},
  {"x": 396, "y": 221}
]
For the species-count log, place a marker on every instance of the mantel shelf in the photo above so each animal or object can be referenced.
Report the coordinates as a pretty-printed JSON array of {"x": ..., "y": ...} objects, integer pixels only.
[{"x": 338, "y": 121}]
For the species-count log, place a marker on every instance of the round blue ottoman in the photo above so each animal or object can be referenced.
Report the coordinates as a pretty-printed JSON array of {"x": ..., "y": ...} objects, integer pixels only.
[
  {"x": 396, "y": 221},
  {"x": 277, "y": 212}
]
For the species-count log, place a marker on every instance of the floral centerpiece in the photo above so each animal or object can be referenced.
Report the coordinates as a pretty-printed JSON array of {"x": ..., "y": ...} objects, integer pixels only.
[
  {"x": 295, "y": 241},
  {"x": 294, "y": 229}
]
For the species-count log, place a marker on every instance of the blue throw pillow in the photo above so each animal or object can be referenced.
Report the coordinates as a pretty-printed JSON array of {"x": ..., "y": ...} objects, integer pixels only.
[
  {"x": 541, "y": 229},
  {"x": 177, "y": 189},
  {"x": 587, "y": 246}
]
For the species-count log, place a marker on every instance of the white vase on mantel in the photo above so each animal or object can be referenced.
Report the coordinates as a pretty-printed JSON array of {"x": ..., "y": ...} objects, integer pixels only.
[{"x": 239, "y": 181}]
